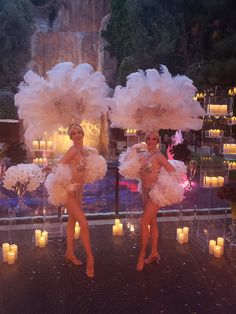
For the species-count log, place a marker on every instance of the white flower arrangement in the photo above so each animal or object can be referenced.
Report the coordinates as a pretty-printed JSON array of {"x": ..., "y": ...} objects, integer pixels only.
[{"x": 23, "y": 177}]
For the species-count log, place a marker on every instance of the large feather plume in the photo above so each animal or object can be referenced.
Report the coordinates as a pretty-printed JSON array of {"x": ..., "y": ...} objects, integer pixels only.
[
  {"x": 66, "y": 93},
  {"x": 153, "y": 99}
]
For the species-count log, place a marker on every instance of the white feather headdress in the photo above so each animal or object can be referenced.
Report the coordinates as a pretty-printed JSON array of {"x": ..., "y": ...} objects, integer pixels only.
[
  {"x": 65, "y": 94},
  {"x": 153, "y": 99}
]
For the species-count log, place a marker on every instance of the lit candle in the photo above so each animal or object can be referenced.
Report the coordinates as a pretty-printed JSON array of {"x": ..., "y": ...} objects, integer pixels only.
[
  {"x": 217, "y": 251},
  {"x": 132, "y": 228},
  {"x": 223, "y": 109},
  {"x": 207, "y": 181},
  {"x": 14, "y": 248},
  {"x": 50, "y": 145},
  {"x": 42, "y": 145},
  {"x": 220, "y": 241},
  {"x": 42, "y": 242},
  {"x": 214, "y": 181},
  {"x": 35, "y": 145},
  {"x": 37, "y": 235},
  {"x": 212, "y": 244},
  {"x": 185, "y": 233},
  {"x": 115, "y": 230},
  {"x": 45, "y": 235},
  {"x": 120, "y": 229},
  {"x": 178, "y": 230},
  {"x": 220, "y": 181},
  {"x": 77, "y": 232},
  {"x": 181, "y": 238},
  {"x": 117, "y": 221},
  {"x": 11, "y": 257},
  {"x": 5, "y": 249}
]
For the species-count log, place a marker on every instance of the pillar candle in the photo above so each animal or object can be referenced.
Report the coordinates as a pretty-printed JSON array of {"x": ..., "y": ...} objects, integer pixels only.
[
  {"x": 42, "y": 145},
  {"x": 220, "y": 241},
  {"x": 35, "y": 145},
  {"x": 37, "y": 235},
  {"x": 11, "y": 257},
  {"x": 5, "y": 249},
  {"x": 185, "y": 233},
  {"x": 77, "y": 232},
  {"x": 50, "y": 145},
  {"x": 115, "y": 230},
  {"x": 178, "y": 230},
  {"x": 42, "y": 242},
  {"x": 132, "y": 228},
  {"x": 217, "y": 251},
  {"x": 181, "y": 238},
  {"x": 212, "y": 244},
  {"x": 45, "y": 235},
  {"x": 14, "y": 248},
  {"x": 117, "y": 221},
  {"x": 120, "y": 229}
]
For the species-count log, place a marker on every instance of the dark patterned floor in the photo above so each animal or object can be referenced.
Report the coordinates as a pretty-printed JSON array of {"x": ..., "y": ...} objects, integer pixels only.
[{"x": 187, "y": 280}]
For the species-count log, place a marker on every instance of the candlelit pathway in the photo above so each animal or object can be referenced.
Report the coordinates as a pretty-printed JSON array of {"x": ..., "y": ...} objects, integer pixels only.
[{"x": 187, "y": 280}]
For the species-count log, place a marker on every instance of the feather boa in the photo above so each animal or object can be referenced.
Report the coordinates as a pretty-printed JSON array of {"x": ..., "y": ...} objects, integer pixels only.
[
  {"x": 58, "y": 183},
  {"x": 168, "y": 189}
]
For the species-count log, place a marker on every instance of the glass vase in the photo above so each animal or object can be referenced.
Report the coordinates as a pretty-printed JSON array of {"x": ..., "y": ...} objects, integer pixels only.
[
  {"x": 231, "y": 237},
  {"x": 21, "y": 206}
]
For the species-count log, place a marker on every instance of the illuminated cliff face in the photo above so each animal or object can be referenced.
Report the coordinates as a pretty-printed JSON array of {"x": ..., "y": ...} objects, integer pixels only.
[{"x": 70, "y": 33}]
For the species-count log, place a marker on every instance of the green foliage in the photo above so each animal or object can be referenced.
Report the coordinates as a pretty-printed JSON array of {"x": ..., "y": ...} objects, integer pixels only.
[
  {"x": 7, "y": 107},
  {"x": 15, "y": 31},
  {"x": 196, "y": 38}
]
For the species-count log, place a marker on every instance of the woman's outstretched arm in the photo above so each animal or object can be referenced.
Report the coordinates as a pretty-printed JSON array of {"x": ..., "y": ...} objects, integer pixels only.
[{"x": 165, "y": 163}]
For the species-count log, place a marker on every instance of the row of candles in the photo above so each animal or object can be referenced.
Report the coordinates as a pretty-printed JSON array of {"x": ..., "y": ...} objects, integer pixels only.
[
  {"x": 217, "y": 109},
  {"x": 229, "y": 149},
  {"x": 42, "y": 145},
  {"x": 40, "y": 161},
  {"x": 216, "y": 247},
  {"x": 214, "y": 133},
  {"x": 231, "y": 164},
  {"x": 213, "y": 182},
  {"x": 182, "y": 235},
  {"x": 130, "y": 132}
]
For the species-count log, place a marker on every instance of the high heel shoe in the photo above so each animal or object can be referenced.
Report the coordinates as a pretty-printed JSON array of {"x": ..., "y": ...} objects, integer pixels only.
[
  {"x": 152, "y": 258},
  {"x": 90, "y": 269},
  {"x": 73, "y": 260}
]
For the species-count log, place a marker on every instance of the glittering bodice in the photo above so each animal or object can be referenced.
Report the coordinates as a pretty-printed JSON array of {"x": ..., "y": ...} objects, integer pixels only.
[
  {"x": 78, "y": 167},
  {"x": 150, "y": 169}
]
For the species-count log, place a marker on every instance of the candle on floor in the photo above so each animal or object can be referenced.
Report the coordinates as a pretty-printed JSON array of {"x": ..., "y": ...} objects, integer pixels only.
[
  {"x": 42, "y": 242},
  {"x": 185, "y": 233},
  {"x": 37, "y": 235},
  {"x": 120, "y": 229},
  {"x": 35, "y": 145},
  {"x": 131, "y": 228},
  {"x": 217, "y": 251},
  {"x": 220, "y": 241},
  {"x": 42, "y": 145},
  {"x": 45, "y": 235},
  {"x": 115, "y": 230},
  {"x": 117, "y": 221},
  {"x": 77, "y": 232},
  {"x": 5, "y": 249},
  {"x": 14, "y": 248},
  {"x": 11, "y": 257},
  {"x": 181, "y": 238},
  {"x": 212, "y": 244},
  {"x": 178, "y": 230}
]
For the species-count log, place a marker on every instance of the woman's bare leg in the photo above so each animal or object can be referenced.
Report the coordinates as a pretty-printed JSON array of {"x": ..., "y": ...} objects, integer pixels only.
[
  {"x": 149, "y": 213},
  {"x": 76, "y": 212},
  {"x": 154, "y": 236},
  {"x": 70, "y": 253}
]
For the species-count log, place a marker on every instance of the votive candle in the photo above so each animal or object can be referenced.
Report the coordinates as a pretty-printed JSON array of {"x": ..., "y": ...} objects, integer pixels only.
[
  {"x": 220, "y": 241},
  {"x": 185, "y": 233},
  {"x": 217, "y": 251},
  {"x": 14, "y": 248},
  {"x": 42, "y": 242},
  {"x": 11, "y": 257},
  {"x": 45, "y": 235},
  {"x": 37, "y": 235}
]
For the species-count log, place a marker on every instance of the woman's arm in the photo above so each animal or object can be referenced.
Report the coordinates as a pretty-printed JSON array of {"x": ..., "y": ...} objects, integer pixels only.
[{"x": 165, "y": 163}]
